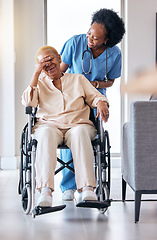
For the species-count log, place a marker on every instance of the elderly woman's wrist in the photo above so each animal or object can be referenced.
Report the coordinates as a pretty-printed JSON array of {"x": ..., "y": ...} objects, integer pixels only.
[{"x": 104, "y": 102}]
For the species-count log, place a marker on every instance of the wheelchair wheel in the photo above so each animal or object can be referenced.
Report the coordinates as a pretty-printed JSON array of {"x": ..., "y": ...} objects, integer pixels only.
[
  {"x": 106, "y": 194},
  {"x": 106, "y": 177},
  {"x": 102, "y": 170},
  {"x": 26, "y": 199},
  {"x": 24, "y": 187},
  {"x": 24, "y": 159}
]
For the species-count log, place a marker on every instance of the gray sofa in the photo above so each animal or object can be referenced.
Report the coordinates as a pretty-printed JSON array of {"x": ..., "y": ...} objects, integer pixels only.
[{"x": 139, "y": 151}]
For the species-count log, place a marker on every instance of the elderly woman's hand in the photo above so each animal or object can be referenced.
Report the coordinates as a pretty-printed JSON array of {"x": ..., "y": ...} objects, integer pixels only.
[
  {"x": 43, "y": 63},
  {"x": 102, "y": 110}
]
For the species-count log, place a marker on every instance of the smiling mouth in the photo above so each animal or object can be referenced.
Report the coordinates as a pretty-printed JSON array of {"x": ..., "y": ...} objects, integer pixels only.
[
  {"x": 90, "y": 44},
  {"x": 50, "y": 68}
]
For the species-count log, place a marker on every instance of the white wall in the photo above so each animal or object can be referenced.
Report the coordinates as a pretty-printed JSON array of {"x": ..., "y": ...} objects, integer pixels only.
[
  {"x": 26, "y": 18},
  {"x": 22, "y": 34},
  {"x": 7, "y": 80},
  {"x": 0, "y": 80},
  {"x": 28, "y": 23},
  {"x": 139, "y": 51}
]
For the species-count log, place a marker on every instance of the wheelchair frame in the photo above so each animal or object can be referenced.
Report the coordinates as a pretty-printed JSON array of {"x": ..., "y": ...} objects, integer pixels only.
[{"x": 26, "y": 187}]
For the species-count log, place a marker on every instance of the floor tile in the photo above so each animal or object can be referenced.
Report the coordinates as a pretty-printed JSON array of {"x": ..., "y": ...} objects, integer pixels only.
[{"x": 72, "y": 222}]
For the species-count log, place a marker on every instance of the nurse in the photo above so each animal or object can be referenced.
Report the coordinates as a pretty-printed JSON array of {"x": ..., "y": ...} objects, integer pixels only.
[{"x": 95, "y": 55}]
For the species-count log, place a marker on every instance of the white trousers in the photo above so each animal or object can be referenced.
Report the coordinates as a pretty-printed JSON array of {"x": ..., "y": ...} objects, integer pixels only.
[{"x": 78, "y": 139}]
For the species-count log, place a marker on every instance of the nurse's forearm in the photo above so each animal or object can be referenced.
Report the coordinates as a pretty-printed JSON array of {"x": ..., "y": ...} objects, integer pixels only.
[
  {"x": 102, "y": 84},
  {"x": 63, "y": 67}
]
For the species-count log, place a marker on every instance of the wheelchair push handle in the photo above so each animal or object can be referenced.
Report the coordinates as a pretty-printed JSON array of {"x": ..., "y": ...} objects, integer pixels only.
[
  {"x": 28, "y": 110},
  {"x": 31, "y": 110}
]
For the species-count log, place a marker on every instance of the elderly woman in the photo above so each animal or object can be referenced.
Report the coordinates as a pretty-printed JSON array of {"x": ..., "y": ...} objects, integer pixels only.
[
  {"x": 63, "y": 115},
  {"x": 96, "y": 55}
]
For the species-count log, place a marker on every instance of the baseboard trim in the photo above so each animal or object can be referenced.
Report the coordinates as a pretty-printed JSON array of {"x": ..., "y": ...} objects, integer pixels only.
[
  {"x": 9, "y": 163},
  {"x": 115, "y": 162}
]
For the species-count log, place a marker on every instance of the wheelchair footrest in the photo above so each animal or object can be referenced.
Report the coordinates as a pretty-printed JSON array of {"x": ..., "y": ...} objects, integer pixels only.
[
  {"x": 43, "y": 210},
  {"x": 94, "y": 204}
]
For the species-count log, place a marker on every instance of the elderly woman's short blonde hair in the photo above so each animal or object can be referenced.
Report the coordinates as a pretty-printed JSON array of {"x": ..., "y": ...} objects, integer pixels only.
[{"x": 43, "y": 48}]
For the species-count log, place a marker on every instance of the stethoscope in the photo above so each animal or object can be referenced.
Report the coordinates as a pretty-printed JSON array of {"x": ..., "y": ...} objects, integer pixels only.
[{"x": 90, "y": 63}]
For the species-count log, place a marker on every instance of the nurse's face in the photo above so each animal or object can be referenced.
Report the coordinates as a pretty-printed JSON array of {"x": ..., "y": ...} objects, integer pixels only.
[{"x": 96, "y": 36}]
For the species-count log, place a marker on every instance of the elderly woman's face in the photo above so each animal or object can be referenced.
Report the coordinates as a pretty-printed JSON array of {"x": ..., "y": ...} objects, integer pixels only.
[
  {"x": 51, "y": 61},
  {"x": 96, "y": 36}
]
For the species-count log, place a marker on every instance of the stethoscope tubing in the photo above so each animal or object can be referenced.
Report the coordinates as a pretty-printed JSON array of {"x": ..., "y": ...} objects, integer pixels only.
[{"x": 90, "y": 66}]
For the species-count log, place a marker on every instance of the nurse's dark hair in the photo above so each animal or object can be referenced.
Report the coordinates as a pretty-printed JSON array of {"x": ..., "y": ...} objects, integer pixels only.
[{"x": 113, "y": 24}]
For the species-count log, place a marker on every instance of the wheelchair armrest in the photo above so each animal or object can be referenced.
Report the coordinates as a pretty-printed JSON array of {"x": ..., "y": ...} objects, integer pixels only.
[
  {"x": 100, "y": 129},
  {"x": 97, "y": 122}
]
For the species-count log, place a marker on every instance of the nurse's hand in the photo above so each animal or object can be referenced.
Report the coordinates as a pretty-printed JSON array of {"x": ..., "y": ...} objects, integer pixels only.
[
  {"x": 94, "y": 84},
  {"x": 103, "y": 110}
]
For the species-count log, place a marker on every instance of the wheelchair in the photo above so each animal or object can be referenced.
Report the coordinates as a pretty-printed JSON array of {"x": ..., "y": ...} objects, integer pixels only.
[{"x": 101, "y": 164}]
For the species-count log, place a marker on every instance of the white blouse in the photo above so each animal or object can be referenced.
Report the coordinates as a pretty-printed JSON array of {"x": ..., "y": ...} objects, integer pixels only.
[{"x": 67, "y": 108}]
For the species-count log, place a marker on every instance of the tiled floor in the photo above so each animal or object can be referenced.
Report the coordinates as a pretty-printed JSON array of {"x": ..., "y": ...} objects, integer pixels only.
[{"x": 74, "y": 223}]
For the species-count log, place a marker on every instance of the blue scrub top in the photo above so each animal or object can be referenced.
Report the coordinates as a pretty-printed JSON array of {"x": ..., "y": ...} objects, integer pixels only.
[{"x": 71, "y": 54}]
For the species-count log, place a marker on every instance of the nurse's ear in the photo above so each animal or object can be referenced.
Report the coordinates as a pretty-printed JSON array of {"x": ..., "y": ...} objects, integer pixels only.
[{"x": 106, "y": 40}]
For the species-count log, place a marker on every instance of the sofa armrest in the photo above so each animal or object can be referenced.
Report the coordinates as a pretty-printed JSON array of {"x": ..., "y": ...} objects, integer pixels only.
[{"x": 140, "y": 156}]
